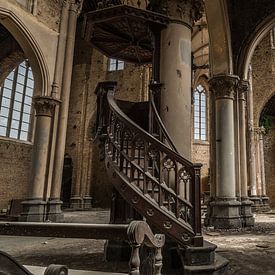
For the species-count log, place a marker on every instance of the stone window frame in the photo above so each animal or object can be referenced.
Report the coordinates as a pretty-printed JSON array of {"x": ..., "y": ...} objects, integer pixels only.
[
  {"x": 16, "y": 112},
  {"x": 200, "y": 102},
  {"x": 272, "y": 38},
  {"x": 115, "y": 65}
]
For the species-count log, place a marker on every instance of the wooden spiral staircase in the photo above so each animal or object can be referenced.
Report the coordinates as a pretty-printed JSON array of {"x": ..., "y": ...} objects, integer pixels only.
[
  {"x": 149, "y": 173},
  {"x": 141, "y": 160}
]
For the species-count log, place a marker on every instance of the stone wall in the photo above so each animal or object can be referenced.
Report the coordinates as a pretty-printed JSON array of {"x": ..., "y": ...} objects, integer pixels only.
[
  {"x": 48, "y": 12},
  {"x": 263, "y": 70},
  {"x": 269, "y": 153},
  {"x": 15, "y": 167}
]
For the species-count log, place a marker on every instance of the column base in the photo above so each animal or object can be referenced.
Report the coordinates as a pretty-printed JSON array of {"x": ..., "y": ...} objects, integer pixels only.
[
  {"x": 87, "y": 202},
  {"x": 257, "y": 204},
  {"x": 246, "y": 213},
  {"x": 76, "y": 203},
  {"x": 33, "y": 211},
  {"x": 225, "y": 214},
  {"x": 265, "y": 204},
  {"x": 203, "y": 260},
  {"x": 54, "y": 212}
]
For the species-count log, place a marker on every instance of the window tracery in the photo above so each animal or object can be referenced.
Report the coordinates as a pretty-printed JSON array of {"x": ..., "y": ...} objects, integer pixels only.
[{"x": 16, "y": 94}]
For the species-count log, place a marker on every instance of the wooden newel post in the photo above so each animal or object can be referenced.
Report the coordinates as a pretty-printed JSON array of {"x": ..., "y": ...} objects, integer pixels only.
[{"x": 196, "y": 190}]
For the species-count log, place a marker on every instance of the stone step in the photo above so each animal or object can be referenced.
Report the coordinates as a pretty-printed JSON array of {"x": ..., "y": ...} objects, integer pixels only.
[{"x": 38, "y": 270}]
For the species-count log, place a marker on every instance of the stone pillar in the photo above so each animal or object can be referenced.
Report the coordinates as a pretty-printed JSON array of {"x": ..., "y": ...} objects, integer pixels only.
[
  {"x": 34, "y": 206},
  {"x": 261, "y": 170},
  {"x": 54, "y": 205},
  {"x": 246, "y": 214},
  {"x": 225, "y": 207},
  {"x": 175, "y": 72},
  {"x": 252, "y": 149},
  {"x": 258, "y": 161}
]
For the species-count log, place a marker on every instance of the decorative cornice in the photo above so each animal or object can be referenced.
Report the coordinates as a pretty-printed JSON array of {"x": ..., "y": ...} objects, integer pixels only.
[
  {"x": 186, "y": 11},
  {"x": 45, "y": 105},
  {"x": 224, "y": 86}
]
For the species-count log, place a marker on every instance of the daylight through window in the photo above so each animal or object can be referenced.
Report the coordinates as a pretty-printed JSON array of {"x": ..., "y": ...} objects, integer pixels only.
[
  {"x": 16, "y": 103},
  {"x": 199, "y": 113},
  {"x": 115, "y": 65}
]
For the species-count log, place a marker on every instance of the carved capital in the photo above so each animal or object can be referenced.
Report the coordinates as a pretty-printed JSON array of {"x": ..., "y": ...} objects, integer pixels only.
[
  {"x": 65, "y": 3},
  {"x": 260, "y": 131},
  {"x": 243, "y": 89},
  {"x": 76, "y": 6},
  {"x": 186, "y": 11},
  {"x": 45, "y": 105},
  {"x": 224, "y": 86}
]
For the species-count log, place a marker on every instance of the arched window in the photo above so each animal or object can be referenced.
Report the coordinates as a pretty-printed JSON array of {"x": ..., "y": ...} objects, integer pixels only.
[
  {"x": 199, "y": 113},
  {"x": 16, "y": 103}
]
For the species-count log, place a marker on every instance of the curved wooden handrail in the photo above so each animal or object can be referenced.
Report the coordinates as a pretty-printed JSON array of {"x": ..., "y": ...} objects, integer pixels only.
[
  {"x": 162, "y": 185},
  {"x": 131, "y": 124},
  {"x": 162, "y": 127}
]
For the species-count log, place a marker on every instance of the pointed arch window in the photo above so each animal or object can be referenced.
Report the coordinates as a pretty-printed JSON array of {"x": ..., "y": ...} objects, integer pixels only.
[
  {"x": 16, "y": 103},
  {"x": 200, "y": 113}
]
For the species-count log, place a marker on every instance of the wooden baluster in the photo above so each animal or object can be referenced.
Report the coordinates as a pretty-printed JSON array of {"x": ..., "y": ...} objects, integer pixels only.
[
  {"x": 134, "y": 260},
  {"x": 158, "y": 261},
  {"x": 196, "y": 201}
]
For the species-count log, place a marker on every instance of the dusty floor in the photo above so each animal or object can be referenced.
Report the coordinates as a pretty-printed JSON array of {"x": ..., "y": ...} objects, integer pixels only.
[{"x": 249, "y": 251}]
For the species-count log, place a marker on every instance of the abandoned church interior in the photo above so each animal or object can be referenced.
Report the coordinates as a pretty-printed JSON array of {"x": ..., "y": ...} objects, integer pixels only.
[{"x": 145, "y": 129}]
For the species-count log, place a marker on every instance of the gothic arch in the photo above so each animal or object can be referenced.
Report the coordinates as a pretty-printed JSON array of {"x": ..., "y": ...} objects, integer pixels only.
[
  {"x": 264, "y": 105},
  {"x": 23, "y": 35},
  {"x": 254, "y": 39}
]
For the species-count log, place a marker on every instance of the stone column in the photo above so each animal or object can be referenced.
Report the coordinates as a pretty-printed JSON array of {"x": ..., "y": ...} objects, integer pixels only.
[
  {"x": 265, "y": 199},
  {"x": 252, "y": 149},
  {"x": 54, "y": 205},
  {"x": 258, "y": 161},
  {"x": 175, "y": 72},
  {"x": 246, "y": 214},
  {"x": 34, "y": 206},
  {"x": 225, "y": 208}
]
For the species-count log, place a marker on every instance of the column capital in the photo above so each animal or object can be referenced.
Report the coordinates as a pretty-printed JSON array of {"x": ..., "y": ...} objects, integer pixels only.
[
  {"x": 76, "y": 6},
  {"x": 45, "y": 105},
  {"x": 224, "y": 86},
  {"x": 186, "y": 11},
  {"x": 65, "y": 3},
  {"x": 243, "y": 89},
  {"x": 260, "y": 131}
]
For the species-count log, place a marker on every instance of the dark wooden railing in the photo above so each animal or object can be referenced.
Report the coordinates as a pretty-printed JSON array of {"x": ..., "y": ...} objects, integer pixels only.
[
  {"x": 137, "y": 233},
  {"x": 103, "y": 4},
  {"x": 156, "y": 126},
  {"x": 158, "y": 175}
]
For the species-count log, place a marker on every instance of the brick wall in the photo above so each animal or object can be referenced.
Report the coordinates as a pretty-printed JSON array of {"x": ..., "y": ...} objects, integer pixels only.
[
  {"x": 269, "y": 152},
  {"x": 263, "y": 69},
  {"x": 15, "y": 167},
  {"x": 91, "y": 67}
]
